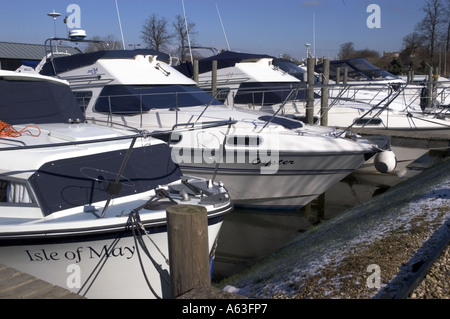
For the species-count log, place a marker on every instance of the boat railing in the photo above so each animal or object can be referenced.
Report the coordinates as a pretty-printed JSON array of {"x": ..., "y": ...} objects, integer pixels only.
[
  {"x": 256, "y": 96},
  {"x": 24, "y": 146},
  {"x": 51, "y": 49},
  {"x": 376, "y": 109}
]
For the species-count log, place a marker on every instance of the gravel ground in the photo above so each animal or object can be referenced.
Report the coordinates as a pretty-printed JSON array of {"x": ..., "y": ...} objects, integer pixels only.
[
  {"x": 368, "y": 252},
  {"x": 436, "y": 284}
]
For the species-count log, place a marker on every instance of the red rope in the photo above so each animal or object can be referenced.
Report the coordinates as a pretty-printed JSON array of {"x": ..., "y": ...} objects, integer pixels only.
[{"x": 7, "y": 130}]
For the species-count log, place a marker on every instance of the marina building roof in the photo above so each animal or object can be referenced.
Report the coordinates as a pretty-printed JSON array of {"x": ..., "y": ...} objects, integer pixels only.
[
  {"x": 25, "y": 51},
  {"x": 12, "y": 55}
]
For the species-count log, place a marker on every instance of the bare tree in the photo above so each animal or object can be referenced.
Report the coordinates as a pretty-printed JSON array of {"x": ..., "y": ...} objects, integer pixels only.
[
  {"x": 413, "y": 54},
  {"x": 447, "y": 22},
  {"x": 347, "y": 50},
  {"x": 155, "y": 33},
  {"x": 182, "y": 34},
  {"x": 413, "y": 40},
  {"x": 430, "y": 26}
]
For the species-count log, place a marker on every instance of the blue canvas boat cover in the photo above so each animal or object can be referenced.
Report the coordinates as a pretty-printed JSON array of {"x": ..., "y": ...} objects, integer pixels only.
[
  {"x": 37, "y": 102},
  {"x": 81, "y": 181}
]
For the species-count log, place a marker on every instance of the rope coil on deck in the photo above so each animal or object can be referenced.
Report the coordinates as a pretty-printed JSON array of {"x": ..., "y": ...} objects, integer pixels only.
[{"x": 7, "y": 130}]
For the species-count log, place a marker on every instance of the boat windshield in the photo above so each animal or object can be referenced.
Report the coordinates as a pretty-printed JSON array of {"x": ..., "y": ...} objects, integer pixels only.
[
  {"x": 358, "y": 69},
  {"x": 82, "y": 181},
  {"x": 137, "y": 99},
  {"x": 371, "y": 71},
  {"x": 269, "y": 93},
  {"x": 291, "y": 68}
]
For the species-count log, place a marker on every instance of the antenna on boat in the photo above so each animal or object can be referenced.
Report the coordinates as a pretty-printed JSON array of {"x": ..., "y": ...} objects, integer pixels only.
[
  {"x": 187, "y": 31},
  {"x": 120, "y": 25},
  {"x": 54, "y": 15},
  {"x": 220, "y": 18}
]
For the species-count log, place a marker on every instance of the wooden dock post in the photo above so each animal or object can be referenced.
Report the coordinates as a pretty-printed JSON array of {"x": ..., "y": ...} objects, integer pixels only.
[
  {"x": 195, "y": 71},
  {"x": 345, "y": 76},
  {"x": 430, "y": 86},
  {"x": 187, "y": 227},
  {"x": 338, "y": 75},
  {"x": 325, "y": 93}
]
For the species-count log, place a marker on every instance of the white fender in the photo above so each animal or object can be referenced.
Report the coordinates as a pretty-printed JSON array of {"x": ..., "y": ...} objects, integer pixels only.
[{"x": 385, "y": 162}]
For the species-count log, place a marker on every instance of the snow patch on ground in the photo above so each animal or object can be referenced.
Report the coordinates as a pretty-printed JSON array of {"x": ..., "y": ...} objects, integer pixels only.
[{"x": 329, "y": 243}]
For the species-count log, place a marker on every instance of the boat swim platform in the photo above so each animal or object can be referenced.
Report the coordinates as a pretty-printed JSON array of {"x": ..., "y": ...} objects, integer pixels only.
[
  {"x": 17, "y": 285},
  {"x": 424, "y": 139}
]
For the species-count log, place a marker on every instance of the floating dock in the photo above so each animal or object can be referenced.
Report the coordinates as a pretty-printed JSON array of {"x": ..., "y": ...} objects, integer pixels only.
[{"x": 17, "y": 285}]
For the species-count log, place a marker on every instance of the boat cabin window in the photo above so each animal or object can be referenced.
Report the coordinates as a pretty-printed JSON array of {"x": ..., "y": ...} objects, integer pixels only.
[
  {"x": 83, "y": 98},
  {"x": 222, "y": 95},
  {"x": 368, "y": 121},
  {"x": 137, "y": 99},
  {"x": 14, "y": 193},
  {"x": 293, "y": 69},
  {"x": 247, "y": 141},
  {"x": 268, "y": 93}
]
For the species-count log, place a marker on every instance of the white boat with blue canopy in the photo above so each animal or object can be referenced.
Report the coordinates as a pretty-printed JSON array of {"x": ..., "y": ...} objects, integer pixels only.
[
  {"x": 250, "y": 80},
  {"x": 265, "y": 161},
  {"x": 83, "y": 206}
]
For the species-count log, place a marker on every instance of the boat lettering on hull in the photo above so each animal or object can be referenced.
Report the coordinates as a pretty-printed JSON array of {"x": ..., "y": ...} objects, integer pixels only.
[{"x": 80, "y": 253}]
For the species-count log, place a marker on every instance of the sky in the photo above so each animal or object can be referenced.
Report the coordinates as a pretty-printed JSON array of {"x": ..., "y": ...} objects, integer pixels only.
[{"x": 254, "y": 26}]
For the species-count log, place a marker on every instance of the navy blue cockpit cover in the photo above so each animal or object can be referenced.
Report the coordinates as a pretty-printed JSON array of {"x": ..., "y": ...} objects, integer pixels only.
[
  {"x": 37, "y": 102},
  {"x": 81, "y": 181},
  {"x": 66, "y": 63}
]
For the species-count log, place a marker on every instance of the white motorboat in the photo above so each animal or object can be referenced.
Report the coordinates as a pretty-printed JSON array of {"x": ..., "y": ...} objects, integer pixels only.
[
  {"x": 265, "y": 161},
  {"x": 261, "y": 82},
  {"x": 248, "y": 80},
  {"x": 374, "y": 98},
  {"x": 83, "y": 206},
  {"x": 371, "y": 97}
]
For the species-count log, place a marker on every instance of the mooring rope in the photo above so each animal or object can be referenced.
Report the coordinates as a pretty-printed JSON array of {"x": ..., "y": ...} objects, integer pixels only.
[
  {"x": 136, "y": 226},
  {"x": 7, "y": 130}
]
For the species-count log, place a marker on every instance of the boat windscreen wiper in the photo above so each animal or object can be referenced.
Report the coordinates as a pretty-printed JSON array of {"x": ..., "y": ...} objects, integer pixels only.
[{"x": 160, "y": 68}]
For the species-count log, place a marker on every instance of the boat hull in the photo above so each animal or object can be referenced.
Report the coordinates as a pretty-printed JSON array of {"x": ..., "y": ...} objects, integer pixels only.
[
  {"x": 110, "y": 265},
  {"x": 293, "y": 182}
]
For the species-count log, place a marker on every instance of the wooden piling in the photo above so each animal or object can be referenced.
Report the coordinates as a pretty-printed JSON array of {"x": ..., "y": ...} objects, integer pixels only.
[
  {"x": 325, "y": 93},
  {"x": 338, "y": 75},
  {"x": 187, "y": 227},
  {"x": 345, "y": 76},
  {"x": 195, "y": 71},
  {"x": 429, "y": 86}
]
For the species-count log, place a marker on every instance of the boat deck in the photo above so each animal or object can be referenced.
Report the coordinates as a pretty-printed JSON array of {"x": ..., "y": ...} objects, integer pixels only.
[{"x": 17, "y": 285}]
